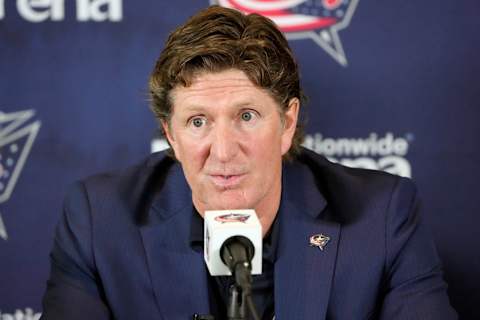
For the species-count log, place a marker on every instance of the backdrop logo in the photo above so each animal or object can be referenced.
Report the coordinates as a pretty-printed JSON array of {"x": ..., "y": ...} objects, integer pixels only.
[
  {"x": 28, "y": 314},
  {"x": 387, "y": 153},
  {"x": 319, "y": 20},
  {"x": 16, "y": 140},
  {"x": 54, "y": 10}
]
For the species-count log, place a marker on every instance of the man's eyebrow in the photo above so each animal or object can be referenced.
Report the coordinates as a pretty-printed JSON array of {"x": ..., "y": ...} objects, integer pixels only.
[
  {"x": 245, "y": 103},
  {"x": 193, "y": 107}
]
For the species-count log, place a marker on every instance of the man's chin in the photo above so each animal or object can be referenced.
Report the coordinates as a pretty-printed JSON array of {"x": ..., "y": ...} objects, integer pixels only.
[{"x": 230, "y": 200}]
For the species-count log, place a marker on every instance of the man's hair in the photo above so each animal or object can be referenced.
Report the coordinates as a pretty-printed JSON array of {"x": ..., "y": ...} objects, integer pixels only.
[{"x": 217, "y": 39}]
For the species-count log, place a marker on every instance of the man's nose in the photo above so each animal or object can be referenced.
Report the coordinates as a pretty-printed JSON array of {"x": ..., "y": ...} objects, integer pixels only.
[{"x": 224, "y": 142}]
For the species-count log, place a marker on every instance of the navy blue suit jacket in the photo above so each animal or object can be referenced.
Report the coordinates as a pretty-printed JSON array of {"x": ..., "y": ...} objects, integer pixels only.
[{"x": 122, "y": 248}]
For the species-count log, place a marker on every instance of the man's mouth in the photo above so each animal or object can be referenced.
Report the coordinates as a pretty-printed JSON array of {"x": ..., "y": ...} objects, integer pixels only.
[{"x": 226, "y": 181}]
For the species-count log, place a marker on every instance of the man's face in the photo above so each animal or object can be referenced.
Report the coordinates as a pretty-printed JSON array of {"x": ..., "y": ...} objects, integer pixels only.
[{"x": 229, "y": 138}]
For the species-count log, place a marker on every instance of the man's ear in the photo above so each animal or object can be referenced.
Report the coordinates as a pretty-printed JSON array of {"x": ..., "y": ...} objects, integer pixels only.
[
  {"x": 290, "y": 119},
  {"x": 167, "y": 130}
]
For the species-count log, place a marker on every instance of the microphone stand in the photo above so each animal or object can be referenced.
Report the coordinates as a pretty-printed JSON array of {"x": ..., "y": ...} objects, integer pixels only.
[
  {"x": 236, "y": 309},
  {"x": 240, "y": 294},
  {"x": 236, "y": 253}
]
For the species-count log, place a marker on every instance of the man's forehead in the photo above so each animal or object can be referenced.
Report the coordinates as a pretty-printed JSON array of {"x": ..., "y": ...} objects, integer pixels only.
[
  {"x": 212, "y": 80},
  {"x": 233, "y": 84}
]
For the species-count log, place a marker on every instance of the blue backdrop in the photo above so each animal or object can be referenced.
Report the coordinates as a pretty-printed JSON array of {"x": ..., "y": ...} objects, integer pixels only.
[{"x": 392, "y": 85}]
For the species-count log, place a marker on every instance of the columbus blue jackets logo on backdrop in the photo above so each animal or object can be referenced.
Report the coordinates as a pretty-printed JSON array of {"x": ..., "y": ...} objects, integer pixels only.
[
  {"x": 319, "y": 20},
  {"x": 16, "y": 140}
]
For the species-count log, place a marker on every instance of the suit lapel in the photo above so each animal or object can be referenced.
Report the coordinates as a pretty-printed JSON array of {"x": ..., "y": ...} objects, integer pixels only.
[
  {"x": 178, "y": 273},
  {"x": 303, "y": 273}
]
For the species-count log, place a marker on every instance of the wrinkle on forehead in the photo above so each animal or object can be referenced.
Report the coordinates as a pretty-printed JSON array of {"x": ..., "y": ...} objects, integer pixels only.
[
  {"x": 213, "y": 86},
  {"x": 208, "y": 84},
  {"x": 230, "y": 74},
  {"x": 211, "y": 80}
]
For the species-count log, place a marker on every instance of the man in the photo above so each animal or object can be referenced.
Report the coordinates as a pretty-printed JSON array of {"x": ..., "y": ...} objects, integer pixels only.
[{"x": 226, "y": 92}]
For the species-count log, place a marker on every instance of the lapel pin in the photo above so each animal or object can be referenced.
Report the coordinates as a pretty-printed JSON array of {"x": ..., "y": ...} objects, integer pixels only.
[{"x": 319, "y": 240}]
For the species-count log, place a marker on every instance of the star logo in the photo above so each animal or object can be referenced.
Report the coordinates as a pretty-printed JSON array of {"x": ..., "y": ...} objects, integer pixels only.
[
  {"x": 16, "y": 140},
  {"x": 318, "y": 20}
]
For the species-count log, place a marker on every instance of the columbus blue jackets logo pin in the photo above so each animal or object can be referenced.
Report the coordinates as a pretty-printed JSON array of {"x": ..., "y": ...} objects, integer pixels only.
[
  {"x": 318, "y": 20},
  {"x": 17, "y": 134},
  {"x": 319, "y": 241},
  {"x": 232, "y": 217}
]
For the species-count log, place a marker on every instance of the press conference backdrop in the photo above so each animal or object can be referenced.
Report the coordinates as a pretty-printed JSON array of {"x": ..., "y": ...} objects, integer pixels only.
[{"x": 392, "y": 85}]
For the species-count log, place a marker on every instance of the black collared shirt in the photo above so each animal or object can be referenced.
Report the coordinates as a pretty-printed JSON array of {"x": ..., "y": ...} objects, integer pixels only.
[{"x": 262, "y": 286}]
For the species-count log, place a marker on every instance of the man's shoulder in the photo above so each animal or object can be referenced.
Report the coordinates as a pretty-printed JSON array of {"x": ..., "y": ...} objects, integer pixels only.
[
  {"x": 344, "y": 187},
  {"x": 131, "y": 175},
  {"x": 128, "y": 183},
  {"x": 332, "y": 173}
]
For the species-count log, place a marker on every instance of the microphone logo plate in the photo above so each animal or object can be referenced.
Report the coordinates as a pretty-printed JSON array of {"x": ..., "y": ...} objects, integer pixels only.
[{"x": 232, "y": 217}]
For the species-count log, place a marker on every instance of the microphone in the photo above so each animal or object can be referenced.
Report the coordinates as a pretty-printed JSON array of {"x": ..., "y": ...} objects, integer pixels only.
[
  {"x": 237, "y": 253},
  {"x": 233, "y": 246},
  {"x": 232, "y": 240}
]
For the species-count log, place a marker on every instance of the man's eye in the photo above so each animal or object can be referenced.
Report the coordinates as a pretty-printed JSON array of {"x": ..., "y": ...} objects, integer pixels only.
[
  {"x": 198, "y": 122},
  {"x": 247, "y": 116}
]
